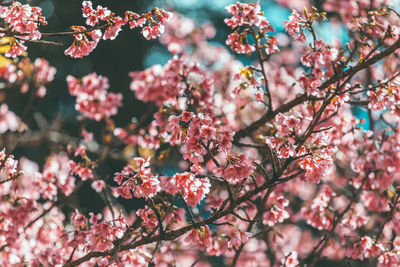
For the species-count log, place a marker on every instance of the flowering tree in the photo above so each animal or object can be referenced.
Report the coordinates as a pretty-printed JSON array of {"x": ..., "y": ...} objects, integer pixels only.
[{"x": 274, "y": 167}]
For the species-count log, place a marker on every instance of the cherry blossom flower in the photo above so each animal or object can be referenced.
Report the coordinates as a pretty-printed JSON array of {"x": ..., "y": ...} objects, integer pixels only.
[
  {"x": 235, "y": 169},
  {"x": 277, "y": 213},
  {"x": 141, "y": 182},
  {"x": 200, "y": 237},
  {"x": 98, "y": 185},
  {"x": 290, "y": 260},
  {"x": 238, "y": 237},
  {"x": 82, "y": 45},
  {"x": 318, "y": 214},
  {"x": 194, "y": 190},
  {"x": 8, "y": 120},
  {"x": 292, "y": 26},
  {"x": 16, "y": 48}
]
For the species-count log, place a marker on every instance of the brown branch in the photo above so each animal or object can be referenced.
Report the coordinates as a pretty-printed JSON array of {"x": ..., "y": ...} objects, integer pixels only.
[
  {"x": 365, "y": 64},
  {"x": 301, "y": 99},
  {"x": 388, "y": 217},
  {"x": 270, "y": 116},
  {"x": 318, "y": 249},
  {"x": 39, "y": 41},
  {"x": 99, "y": 27},
  {"x": 261, "y": 61}
]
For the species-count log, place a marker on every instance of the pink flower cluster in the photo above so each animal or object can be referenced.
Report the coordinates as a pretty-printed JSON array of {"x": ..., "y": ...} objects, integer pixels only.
[
  {"x": 284, "y": 142},
  {"x": 238, "y": 237},
  {"x": 42, "y": 72},
  {"x": 315, "y": 162},
  {"x": 94, "y": 235},
  {"x": 244, "y": 14},
  {"x": 318, "y": 214},
  {"x": 385, "y": 97},
  {"x": 317, "y": 165},
  {"x": 193, "y": 189},
  {"x": 80, "y": 170},
  {"x": 278, "y": 211},
  {"x": 248, "y": 79},
  {"x": 83, "y": 46},
  {"x": 92, "y": 98},
  {"x": 283, "y": 182},
  {"x": 84, "y": 42},
  {"x": 236, "y": 44},
  {"x": 182, "y": 32},
  {"x": 249, "y": 16},
  {"x": 200, "y": 237},
  {"x": 293, "y": 27},
  {"x": 197, "y": 133},
  {"x": 318, "y": 58},
  {"x": 8, "y": 165},
  {"x": 236, "y": 168},
  {"x": 139, "y": 180},
  {"x": 162, "y": 84},
  {"x": 9, "y": 121},
  {"x": 22, "y": 21},
  {"x": 150, "y": 220},
  {"x": 152, "y": 22},
  {"x": 57, "y": 174},
  {"x": 365, "y": 248},
  {"x": 39, "y": 73}
]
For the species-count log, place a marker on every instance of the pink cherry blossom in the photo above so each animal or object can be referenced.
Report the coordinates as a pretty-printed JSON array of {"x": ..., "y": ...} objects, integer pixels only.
[
  {"x": 93, "y": 100},
  {"x": 236, "y": 168},
  {"x": 8, "y": 120}
]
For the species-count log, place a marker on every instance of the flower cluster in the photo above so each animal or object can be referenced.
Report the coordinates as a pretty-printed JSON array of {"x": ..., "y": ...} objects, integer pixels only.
[
  {"x": 318, "y": 214},
  {"x": 198, "y": 134},
  {"x": 22, "y": 21},
  {"x": 38, "y": 73},
  {"x": 8, "y": 166},
  {"x": 57, "y": 174},
  {"x": 238, "y": 238},
  {"x": 94, "y": 235},
  {"x": 200, "y": 237},
  {"x": 365, "y": 248},
  {"x": 9, "y": 121},
  {"x": 248, "y": 16},
  {"x": 387, "y": 96},
  {"x": 314, "y": 156},
  {"x": 236, "y": 168},
  {"x": 140, "y": 181},
  {"x": 92, "y": 98},
  {"x": 181, "y": 32},
  {"x": 288, "y": 126},
  {"x": 293, "y": 27},
  {"x": 152, "y": 22},
  {"x": 162, "y": 84},
  {"x": 248, "y": 80},
  {"x": 278, "y": 211},
  {"x": 86, "y": 40},
  {"x": 193, "y": 189}
]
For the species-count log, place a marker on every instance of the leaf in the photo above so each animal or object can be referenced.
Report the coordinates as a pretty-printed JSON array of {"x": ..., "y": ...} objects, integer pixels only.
[{"x": 4, "y": 47}]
